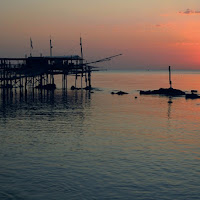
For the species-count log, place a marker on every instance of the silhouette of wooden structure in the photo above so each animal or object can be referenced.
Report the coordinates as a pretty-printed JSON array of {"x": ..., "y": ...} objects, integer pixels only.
[{"x": 39, "y": 72}]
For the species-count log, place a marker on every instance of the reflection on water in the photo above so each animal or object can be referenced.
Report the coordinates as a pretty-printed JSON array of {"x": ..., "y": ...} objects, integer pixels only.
[
  {"x": 169, "y": 107},
  {"x": 14, "y": 100},
  {"x": 81, "y": 145}
]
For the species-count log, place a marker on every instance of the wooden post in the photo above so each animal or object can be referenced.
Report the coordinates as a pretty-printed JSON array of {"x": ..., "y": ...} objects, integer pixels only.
[
  {"x": 86, "y": 79},
  {"x": 52, "y": 78},
  {"x": 89, "y": 77},
  {"x": 33, "y": 79},
  {"x": 170, "y": 82},
  {"x": 47, "y": 78},
  {"x": 25, "y": 83},
  {"x": 66, "y": 82},
  {"x": 63, "y": 80}
]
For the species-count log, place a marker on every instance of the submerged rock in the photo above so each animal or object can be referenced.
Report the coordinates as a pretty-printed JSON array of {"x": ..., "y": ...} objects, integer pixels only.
[
  {"x": 119, "y": 93},
  {"x": 73, "y": 88}
]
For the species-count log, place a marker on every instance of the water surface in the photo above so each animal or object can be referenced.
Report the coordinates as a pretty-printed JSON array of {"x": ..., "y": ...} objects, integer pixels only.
[{"x": 81, "y": 145}]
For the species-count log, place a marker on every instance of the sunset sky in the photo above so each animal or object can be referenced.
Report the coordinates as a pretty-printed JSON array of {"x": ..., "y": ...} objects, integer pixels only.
[{"x": 150, "y": 33}]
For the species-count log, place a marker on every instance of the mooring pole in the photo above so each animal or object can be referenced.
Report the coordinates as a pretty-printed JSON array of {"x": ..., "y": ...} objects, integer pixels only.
[
  {"x": 66, "y": 81},
  {"x": 53, "y": 78},
  {"x": 22, "y": 83},
  {"x": 25, "y": 83},
  {"x": 63, "y": 80},
  {"x": 31, "y": 47},
  {"x": 86, "y": 76},
  {"x": 50, "y": 47},
  {"x": 170, "y": 82},
  {"x": 47, "y": 78},
  {"x": 26, "y": 88},
  {"x": 75, "y": 80},
  {"x": 33, "y": 82},
  {"x": 81, "y": 63},
  {"x": 89, "y": 77}
]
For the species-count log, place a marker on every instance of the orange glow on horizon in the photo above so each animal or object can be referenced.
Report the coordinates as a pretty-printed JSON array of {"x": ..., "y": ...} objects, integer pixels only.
[{"x": 146, "y": 36}]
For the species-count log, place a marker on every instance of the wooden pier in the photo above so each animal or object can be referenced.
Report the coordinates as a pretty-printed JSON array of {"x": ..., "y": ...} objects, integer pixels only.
[{"x": 39, "y": 72}]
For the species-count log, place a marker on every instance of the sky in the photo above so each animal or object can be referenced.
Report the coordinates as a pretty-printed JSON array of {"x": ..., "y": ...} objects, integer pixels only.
[{"x": 151, "y": 34}]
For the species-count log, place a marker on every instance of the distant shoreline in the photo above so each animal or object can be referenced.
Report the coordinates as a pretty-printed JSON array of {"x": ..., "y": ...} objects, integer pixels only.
[{"x": 148, "y": 71}]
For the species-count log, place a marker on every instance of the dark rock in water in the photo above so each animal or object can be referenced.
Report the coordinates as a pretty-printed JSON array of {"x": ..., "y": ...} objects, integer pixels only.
[
  {"x": 85, "y": 88},
  {"x": 192, "y": 95},
  {"x": 88, "y": 88},
  {"x": 119, "y": 93},
  {"x": 164, "y": 91},
  {"x": 73, "y": 88},
  {"x": 46, "y": 87}
]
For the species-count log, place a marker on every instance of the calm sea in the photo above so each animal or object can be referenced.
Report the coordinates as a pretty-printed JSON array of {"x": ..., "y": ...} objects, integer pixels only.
[{"x": 81, "y": 145}]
